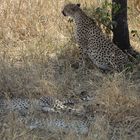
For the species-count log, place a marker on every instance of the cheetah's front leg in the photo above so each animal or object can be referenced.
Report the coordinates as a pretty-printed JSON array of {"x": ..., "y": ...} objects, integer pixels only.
[
  {"x": 80, "y": 62},
  {"x": 83, "y": 61}
]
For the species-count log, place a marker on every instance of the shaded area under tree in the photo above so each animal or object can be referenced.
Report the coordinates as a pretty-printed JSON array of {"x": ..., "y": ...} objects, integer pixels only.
[{"x": 120, "y": 28}]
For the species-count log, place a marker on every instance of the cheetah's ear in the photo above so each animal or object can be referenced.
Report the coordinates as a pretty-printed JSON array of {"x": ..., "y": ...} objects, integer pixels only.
[{"x": 78, "y": 4}]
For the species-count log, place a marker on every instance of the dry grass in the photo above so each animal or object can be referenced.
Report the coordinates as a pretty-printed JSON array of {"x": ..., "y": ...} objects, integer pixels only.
[{"x": 36, "y": 53}]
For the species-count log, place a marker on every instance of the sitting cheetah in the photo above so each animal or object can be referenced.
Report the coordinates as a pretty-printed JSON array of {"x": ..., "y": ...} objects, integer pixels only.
[{"x": 93, "y": 43}]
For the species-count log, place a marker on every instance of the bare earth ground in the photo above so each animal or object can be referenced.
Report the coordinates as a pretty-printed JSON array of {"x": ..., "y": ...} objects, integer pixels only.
[{"x": 36, "y": 54}]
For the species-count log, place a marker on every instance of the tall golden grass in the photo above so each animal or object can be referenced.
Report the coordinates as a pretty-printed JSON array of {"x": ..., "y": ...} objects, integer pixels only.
[{"x": 36, "y": 53}]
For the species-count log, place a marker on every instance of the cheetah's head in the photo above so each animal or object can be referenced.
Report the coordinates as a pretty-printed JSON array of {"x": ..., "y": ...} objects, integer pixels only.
[{"x": 70, "y": 9}]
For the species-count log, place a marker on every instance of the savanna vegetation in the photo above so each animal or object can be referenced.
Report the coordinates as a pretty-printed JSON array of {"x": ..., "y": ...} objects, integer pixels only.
[{"x": 37, "y": 53}]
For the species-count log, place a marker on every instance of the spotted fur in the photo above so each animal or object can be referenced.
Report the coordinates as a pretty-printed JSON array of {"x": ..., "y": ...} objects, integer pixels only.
[
  {"x": 46, "y": 104},
  {"x": 93, "y": 43}
]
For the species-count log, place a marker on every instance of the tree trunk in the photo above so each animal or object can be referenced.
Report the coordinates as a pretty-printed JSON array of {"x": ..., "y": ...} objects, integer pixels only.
[{"x": 120, "y": 29}]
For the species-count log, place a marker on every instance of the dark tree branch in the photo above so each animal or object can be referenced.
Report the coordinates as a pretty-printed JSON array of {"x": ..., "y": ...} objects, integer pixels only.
[{"x": 120, "y": 30}]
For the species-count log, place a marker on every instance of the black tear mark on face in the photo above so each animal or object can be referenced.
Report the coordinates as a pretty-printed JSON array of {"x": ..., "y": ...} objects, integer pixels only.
[
  {"x": 78, "y": 4},
  {"x": 63, "y": 13}
]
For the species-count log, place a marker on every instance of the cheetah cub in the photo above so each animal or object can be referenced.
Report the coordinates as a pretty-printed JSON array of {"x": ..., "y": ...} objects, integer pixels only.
[{"x": 93, "y": 43}]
